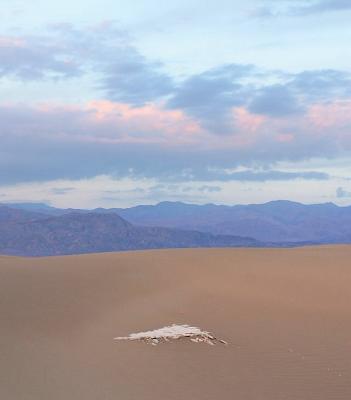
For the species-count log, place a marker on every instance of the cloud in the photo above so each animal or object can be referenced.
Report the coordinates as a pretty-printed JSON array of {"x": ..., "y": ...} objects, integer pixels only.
[
  {"x": 341, "y": 193},
  {"x": 208, "y": 188},
  {"x": 300, "y": 8},
  {"x": 145, "y": 121},
  {"x": 275, "y": 101},
  {"x": 35, "y": 59},
  {"x": 61, "y": 191},
  {"x": 120, "y": 73},
  {"x": 262, "y": 12},
  {"x": 247, "y": 175},
  {"x": 270, "y": 175},
  {"x": 108, "y": 191},
  {"x": 136, "y": 81},
  {"x": 299, "y": 91},
  {"x": 103, "y": 137},
  {"x": 209, "y": 96},
  {"x": 322, "y": 84},
  {"x": 320, "y": 6},
  {"x": 103, "y": 51},
  {"x": 97, "y": 121}
]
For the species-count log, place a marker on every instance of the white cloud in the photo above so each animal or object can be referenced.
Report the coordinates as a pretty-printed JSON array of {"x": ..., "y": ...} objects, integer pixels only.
[{"x": 106, "y": 191}]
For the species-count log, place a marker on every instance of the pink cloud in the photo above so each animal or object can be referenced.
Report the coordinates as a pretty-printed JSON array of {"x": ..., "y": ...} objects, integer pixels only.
[
  {"x": 6, "y": 41},
  {"x": 324, "y": 126},
  {"x": 247, "y": 121},
  {"x": 246, "y": 128},
  {"x": 336, "y": 115},
  {"x": 285, "y": 137},
  {"x": 102, "y": 121},
  {"x": 153, "y": 116},
  {"x": 146, "y": 123}
]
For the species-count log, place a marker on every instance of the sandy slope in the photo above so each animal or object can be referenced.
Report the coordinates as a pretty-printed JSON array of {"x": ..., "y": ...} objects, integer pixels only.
[{"x": 286, "y": 314}]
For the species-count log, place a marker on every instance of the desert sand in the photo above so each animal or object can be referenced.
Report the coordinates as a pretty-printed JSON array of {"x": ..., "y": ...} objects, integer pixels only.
[{"x": 285, "y": 313}]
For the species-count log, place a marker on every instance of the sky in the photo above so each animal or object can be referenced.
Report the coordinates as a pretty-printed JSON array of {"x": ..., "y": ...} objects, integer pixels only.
[{"x": 112, "y": 103}]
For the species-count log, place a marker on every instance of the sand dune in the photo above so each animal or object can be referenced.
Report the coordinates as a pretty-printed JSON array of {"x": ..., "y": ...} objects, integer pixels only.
[{"x": 284, "y": 312}]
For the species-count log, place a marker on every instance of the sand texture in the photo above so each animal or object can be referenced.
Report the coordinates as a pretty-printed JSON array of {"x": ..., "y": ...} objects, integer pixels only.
[{"x": 285, "y": 313}]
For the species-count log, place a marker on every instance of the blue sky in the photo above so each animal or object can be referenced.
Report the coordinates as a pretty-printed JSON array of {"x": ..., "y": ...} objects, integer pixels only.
[{"x": 105, "y": 103}]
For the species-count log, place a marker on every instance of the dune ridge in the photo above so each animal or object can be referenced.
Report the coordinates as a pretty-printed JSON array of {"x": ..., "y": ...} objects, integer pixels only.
[{"x": 285, "y": 313}]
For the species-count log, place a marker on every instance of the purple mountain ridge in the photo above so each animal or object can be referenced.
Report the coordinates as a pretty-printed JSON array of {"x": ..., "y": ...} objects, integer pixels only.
[
  {"x": 38, "y": 229},
  {"x": 37, "y": 234}
]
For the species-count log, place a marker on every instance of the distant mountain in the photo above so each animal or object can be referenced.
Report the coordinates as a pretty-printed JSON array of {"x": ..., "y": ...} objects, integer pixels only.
[
  {"x": 10, "y": 215},
  {"x": 40, "y": 208},
  {"x": 277, "y": 222},
  {"x": 29, "y": 234}
]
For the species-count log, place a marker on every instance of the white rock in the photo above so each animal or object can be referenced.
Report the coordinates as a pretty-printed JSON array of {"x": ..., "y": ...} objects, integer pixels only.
[{"x": 173, "y": 332}]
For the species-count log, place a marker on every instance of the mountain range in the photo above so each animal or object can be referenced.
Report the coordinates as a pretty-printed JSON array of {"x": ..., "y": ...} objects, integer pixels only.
[
  {"x": 277, "y": 221},
  {"x": 29, "y": 233},
  {"x": 38, "y": 229}
]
